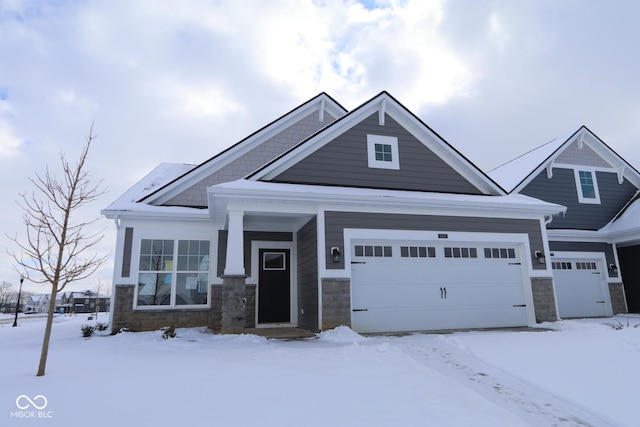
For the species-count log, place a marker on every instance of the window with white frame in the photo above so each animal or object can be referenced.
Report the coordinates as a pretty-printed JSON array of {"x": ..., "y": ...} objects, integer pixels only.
[
  {"x": 173, "y": 272},
  {"x": 382, "y": 152},
  {"x": 587, "y": 186}
]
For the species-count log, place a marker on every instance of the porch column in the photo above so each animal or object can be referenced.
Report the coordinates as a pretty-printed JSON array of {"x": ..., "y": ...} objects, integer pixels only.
[
  {"x": 233, "y": 281},
  {"x": 235, "y": 245}
]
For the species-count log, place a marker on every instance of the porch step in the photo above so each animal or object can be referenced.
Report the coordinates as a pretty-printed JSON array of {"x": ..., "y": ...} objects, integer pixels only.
[{"x": 281, "y": 333}]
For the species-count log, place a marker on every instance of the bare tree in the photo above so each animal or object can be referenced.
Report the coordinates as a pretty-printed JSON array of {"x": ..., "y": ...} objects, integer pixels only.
[
  {"x": 57, "y": 249},
  {"x": 5, "y": 295}
]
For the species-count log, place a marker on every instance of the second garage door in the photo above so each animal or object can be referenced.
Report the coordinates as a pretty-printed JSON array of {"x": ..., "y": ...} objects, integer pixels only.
[
  {"x": 580, "y": 288},
  {"x": 412, "y": 285}
]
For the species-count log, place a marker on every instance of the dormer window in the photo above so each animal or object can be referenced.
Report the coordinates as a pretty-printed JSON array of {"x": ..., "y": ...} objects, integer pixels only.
[
  {"x": 382, "y": 152},
  {"x": 587, "y": 186}
]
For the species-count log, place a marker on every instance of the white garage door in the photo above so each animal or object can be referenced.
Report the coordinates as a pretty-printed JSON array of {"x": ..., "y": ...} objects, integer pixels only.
[
  {"x": 580, "y": 288},
  {"x": 410, "y": 286}
]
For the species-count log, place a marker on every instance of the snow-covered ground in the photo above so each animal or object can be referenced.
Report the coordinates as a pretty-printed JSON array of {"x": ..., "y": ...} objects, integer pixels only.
[{"x": 582, "y": 372}]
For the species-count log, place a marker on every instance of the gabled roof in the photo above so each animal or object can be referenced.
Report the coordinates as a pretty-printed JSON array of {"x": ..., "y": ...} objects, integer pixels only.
[
  {"x": 157, "y": 178},
  {"x": 383, "y": 103},
  {"x": 323, "y": 102},
  {"x": 514, "y": 175}
]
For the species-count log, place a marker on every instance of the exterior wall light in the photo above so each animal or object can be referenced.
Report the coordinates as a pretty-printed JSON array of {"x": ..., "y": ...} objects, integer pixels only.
[
  {"x": 613, "y": 269},
  {"x": 540, "y": 256},
  {"x": 335, "y": 253}
]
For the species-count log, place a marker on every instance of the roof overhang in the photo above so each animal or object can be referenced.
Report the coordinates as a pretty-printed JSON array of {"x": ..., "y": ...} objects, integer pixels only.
[{"x": 278, "y": 197}]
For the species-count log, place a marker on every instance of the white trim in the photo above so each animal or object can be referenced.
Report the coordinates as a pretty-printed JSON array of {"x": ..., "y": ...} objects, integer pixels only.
[
  {"x": 263, "y": 194},
  {"x": 581, "y": 197},
  {"x": 391, "y": 141},
  {"x": 256, "y": 245},
  {"x": 321, "y": 260},
  {"x": 235, "y": 246}
]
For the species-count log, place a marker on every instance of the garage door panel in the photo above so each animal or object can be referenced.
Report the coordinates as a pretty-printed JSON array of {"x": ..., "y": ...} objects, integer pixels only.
[
  {"x": 434, "y": 285},
  {"x": 580, "y": 288}
]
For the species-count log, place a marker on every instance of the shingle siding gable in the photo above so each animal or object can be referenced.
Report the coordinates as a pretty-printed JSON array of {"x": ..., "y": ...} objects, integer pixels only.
[
  {"x": 344, "y": 162},
  {"x": 196, "y": 195},
  {"x": 585, "y": 156}
]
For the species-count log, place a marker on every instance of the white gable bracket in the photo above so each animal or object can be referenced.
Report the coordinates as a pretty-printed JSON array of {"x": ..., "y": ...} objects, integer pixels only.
[
  {"x": 550, "y": 170},
  {"x": 581, "y": 141},
  {"x": 620, "y": 171},
  {"x": 381, "y": 112},
  {"x": 321, "y": 114}
]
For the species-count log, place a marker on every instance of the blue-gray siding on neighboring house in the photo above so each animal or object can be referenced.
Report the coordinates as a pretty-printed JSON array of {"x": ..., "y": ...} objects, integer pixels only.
[
  {"x": 196, "y": 195},
  {"x": 561, "y": 189},
  {"x": 249, "y": 236},
  {"x": 307, "y": 261},
  {"x": 344, "y": 162},
  {"x": 336, "y": 222},
  {"x": 605, "y": 248}
]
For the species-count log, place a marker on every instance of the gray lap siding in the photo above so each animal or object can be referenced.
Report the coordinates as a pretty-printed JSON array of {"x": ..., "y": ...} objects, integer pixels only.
[
  {"x": 343, "y": 162},
  {"x": 336, "y": 222},
  {"x": 561, "y": 189}
]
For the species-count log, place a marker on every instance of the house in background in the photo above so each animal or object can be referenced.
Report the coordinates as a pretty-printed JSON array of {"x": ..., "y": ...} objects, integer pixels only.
[
  {"x": 36, "y": 304},
  {"x": 84, "y": 302},
  {"x": 325, "y": 217},
  {"x": 594, "y": 246}
]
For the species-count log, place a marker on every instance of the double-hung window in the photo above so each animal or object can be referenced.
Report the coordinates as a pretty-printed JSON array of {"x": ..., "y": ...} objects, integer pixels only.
[
  {"x": 173, "y": 272},
  {"x": 587, "y": 186}
]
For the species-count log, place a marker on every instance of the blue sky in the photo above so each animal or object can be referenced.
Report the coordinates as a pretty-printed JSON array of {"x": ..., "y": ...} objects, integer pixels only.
[{"x": 179, "y": 81}]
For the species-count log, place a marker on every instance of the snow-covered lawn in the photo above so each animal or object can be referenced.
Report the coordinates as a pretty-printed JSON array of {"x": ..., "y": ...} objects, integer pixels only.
[{"x": 581, "y": 373}]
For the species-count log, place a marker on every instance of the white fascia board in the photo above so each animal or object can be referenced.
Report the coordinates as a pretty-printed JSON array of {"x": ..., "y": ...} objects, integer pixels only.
[
  {"x": 160, "y": 212},
  {"x": 244, "y": 146},
  {"x": 404, "y": 118},
  {"x": 631, "y": 235},
  {"x": 578, "y": 236},
  {"x": 264, "y": 194}
]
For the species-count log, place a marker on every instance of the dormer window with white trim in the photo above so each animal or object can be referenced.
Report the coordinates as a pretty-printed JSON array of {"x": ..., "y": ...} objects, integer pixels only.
[
  {"x": 382, "y": 152},
  {"x": 587, "y": 186}
]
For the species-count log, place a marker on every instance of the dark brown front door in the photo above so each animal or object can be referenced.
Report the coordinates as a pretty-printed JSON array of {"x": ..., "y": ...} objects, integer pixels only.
[{"x": 274, "y": 286}]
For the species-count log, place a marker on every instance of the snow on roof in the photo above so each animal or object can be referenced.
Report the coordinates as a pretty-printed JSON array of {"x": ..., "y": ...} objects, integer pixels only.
[
  {"x": 628, "y": 221},
  {"x": 512, "y": 173},
  {"x": 161, "y": 175}
]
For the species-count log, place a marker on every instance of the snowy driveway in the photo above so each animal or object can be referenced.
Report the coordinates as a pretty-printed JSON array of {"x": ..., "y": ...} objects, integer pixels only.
[{"x": 584, "y": 373}]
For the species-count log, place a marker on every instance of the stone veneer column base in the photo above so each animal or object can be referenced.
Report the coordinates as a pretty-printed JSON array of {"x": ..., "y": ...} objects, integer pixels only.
[
  {"x": 618, "y": 303},
  {"x": 544, "y": 299},
  {"x": 336, "y": 304},
  {"x": 234, "y": 301}
]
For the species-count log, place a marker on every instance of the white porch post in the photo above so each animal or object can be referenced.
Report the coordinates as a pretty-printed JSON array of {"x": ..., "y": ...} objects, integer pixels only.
[{"x": 235, "y": 246}]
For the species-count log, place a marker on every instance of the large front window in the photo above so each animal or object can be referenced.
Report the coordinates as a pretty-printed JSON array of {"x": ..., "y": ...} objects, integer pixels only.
[{"x": 173, "y": 273}]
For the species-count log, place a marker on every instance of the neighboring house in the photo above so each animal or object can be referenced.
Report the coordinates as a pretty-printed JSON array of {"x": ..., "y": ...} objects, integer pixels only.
[
  {"x": 594, "y": 246},
  {"x": 37, "y": 304},
  {"x": 324, "y": 218},
  {"x": 84, "y": 302}
]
